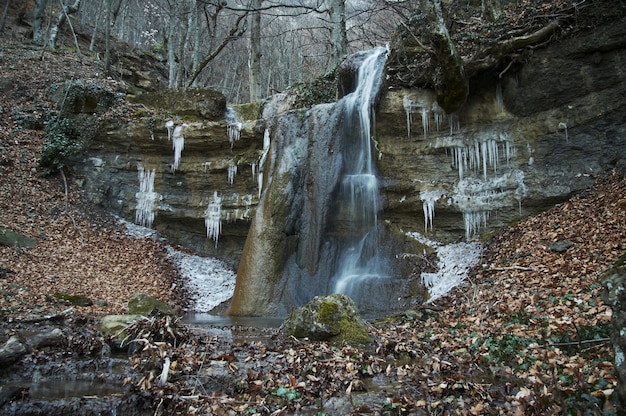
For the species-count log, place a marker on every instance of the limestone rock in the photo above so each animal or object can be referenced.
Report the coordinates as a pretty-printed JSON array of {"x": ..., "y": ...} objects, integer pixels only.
[
  {"x": 328, "y": 318},
  {"x": 115, "y": 326},
  {"x": 195, "y": 102},
  {"x": 615, "y": 297}
]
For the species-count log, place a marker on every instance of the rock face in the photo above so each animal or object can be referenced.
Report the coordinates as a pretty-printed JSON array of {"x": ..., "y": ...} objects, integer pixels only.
[
  {"x": 615, "y": 297},
  {"x": 167, "y": 172},
  {"x": 527, "y": 138},
  {"x": 328, "y": 318},
  {"x": 524, "y": 141},
  {"x": 521, "y": 143}
]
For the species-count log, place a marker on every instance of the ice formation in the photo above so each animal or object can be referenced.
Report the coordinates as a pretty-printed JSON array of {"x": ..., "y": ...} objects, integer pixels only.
[
  {"x": 427, "y": 107},
  {"x": 234, "y": 132},
  {"x": 429, "y": 199},
  {"x": 178, "y": 143},
  {"x": 266, "y": 149},
  {"x": 145, "y": 211},
  {"x": 454, "y": 265},
  {"x": 563, "y": 126},
  {"x": 232, "y": 171},
  {"x": 482, "y": 155},
  {"x": 499, "y": 99},
  {"x": 169, "y": 125},
  {"x": 209, "y": 281},
  {"x": 476, "y": 197},
  {"x": 253, "y": 167},
  {"x": 213, "y": 218}
]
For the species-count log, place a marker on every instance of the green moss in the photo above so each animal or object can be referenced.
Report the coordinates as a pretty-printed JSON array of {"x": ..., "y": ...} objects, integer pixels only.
[
  {"x": 76, "y": 300},
  {"x": 352, "y": 332},
  {"x": 327, "y": 312}
]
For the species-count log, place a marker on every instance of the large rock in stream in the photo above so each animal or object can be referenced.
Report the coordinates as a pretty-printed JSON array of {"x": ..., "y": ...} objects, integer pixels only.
[{"x": 328, "y": 318}]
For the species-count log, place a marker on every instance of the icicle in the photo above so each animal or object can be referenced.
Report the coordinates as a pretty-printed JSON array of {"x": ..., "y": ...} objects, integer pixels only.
[
  {"x": 247, "y": 202},
  {"x": 429, "y": 199},
  {"x": 499, "y": 99},
  {"x": 206, "y": 165},
  {"x": 266, "y": 149},
  {"x": 438, "y": 114},
  {"x": 146, "y": 197},
  {"x": 425, "y": 120},
  {"x": 213, "y": 218},
  {"x": 407, "y": 103},
  {"x": 170, "y": 128},
  {"x": 474, "y": 221},
  {"x": 234, "y": 133},
  {"x": 253, "y": 167},
  {"x": 563, "y": 126},
  {"x": 232, "y": 171},
  {"x": 455, "y": 123},
  {"x": 178, "y": 143}
]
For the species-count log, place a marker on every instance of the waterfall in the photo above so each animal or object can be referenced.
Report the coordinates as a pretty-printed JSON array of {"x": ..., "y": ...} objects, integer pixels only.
[
  {"x": 357, "y": 200},
  {"x": 316, "y": 228}
]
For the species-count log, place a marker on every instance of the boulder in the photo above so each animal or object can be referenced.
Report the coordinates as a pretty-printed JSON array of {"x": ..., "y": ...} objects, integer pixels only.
[
  {"x": 142, "y": 304},
  {"x": 115, "y": 326},
  {"x": 615, "y": 297},
  {"x": 328, "y": 318}
]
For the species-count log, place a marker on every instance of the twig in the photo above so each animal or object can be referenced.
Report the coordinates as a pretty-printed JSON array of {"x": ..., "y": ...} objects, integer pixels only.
[
  {"x": 427, "y": 50},
  {"x": 563, "y": 344},
  {"x": 502, "y": 269},
  {"x": 67, "y": 208}
]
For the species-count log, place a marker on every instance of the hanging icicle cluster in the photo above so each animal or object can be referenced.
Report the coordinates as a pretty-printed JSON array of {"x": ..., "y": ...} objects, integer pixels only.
[{"x": 145, "y": 211}]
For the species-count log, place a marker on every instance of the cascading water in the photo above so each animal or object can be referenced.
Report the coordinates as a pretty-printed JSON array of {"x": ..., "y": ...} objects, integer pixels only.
[
  {"x": 356, "y": 202},
  {"x": 316, "y": 230}
]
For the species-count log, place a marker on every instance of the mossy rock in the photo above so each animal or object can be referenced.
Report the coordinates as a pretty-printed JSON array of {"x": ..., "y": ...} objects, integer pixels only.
[
  {"x": 76, "y": 300},
  {"x": 142, "y": 304},
  {"x": 328, "y": 318},
  {"x": 12, "y": 239}
]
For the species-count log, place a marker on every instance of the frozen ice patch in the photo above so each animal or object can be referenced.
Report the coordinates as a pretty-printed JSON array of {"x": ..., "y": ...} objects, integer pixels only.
[
  {"x": 455, "y": 262},
  {"x": 209, "y": 281}
]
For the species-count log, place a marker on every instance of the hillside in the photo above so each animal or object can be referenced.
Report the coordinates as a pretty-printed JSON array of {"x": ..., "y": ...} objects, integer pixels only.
[{"x": 526, "y": 335}]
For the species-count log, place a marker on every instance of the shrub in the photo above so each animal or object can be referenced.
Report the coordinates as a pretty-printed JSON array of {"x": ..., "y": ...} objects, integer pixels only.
[{"x": 60, "y": 144}]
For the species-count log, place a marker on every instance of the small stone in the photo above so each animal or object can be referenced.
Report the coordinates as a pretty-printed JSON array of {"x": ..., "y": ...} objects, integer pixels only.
[{"x": 560, "y": 246}]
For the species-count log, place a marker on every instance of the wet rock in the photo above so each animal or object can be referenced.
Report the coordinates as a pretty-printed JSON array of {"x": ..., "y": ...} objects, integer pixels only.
[
  {"x": 328, "y": 318},
  {"x": 142, "y": 304},
  {"x": 115, "y": 326}
]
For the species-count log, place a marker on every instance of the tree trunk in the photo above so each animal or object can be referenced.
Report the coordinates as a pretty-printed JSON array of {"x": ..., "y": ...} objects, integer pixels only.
[
  {"x": 338, "y": 35},
  {"x": 107, "y": 40},
  {"x": 171, "y": 50},
  {"x": 254, "y": 63},
  {"x": 195, "y": 57},
  {"x": 92, "y": 44},
  {"x": 40, "y": 7},
  {"x": 4, "y": 16},
  {"x": 63, "y": 15}
]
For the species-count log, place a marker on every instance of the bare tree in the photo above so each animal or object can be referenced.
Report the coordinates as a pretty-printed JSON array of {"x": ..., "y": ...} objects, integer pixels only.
[
  {"x": 38, "y": 15},
  {"x": 4, "y": 15},
  {"x": 63, "y": 16},
  {"x": 254, "y": 57}
]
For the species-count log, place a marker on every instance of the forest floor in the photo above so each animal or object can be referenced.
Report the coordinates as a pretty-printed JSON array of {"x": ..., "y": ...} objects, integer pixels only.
[{"x": 526, "y": 334}]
